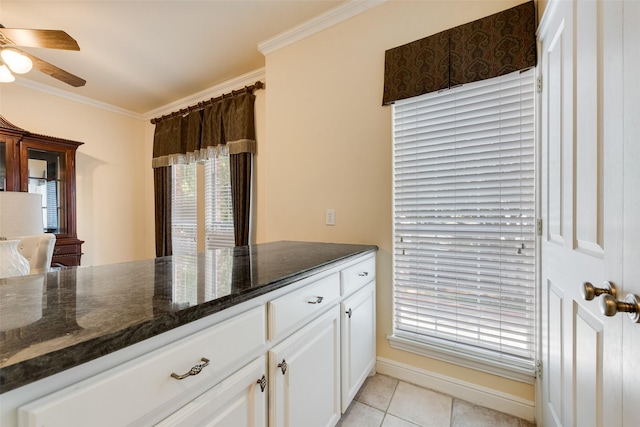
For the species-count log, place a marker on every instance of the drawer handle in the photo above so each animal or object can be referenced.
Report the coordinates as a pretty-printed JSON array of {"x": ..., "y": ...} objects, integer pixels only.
[
  {"x": 363, "y": 274},
  {"x": 193, "y": 371},
  {"x": 349, "y": 313},
  {"x": 317, "y": 300},
  {"x": 263, "y": 383},
  {"x": 283, "y": 366}
]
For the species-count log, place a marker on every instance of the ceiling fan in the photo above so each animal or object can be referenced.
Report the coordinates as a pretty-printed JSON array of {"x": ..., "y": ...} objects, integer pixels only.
[{"x": 11, "y": 38}]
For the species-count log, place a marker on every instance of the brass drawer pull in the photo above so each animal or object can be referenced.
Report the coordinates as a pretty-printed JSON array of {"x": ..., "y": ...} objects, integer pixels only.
[
  {"x": 263, "y": 383},
  {"x": 283, "y": 366},
  {"x": 317, "y": 300},
  {"x": 193, "y": 371}
]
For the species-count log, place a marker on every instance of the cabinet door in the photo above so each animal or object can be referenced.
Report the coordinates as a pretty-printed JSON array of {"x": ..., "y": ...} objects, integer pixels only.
[
  {"x": 358, "y": 341},
  {"x": 240, "y": 400},
  {"x": 48, "y": 167},
  {"x": 304, "y": 375}
]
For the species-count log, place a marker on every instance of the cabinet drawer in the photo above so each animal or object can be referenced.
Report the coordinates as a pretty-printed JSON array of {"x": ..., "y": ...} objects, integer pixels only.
[
  {"x": 131, "y": 392},
  {"x": 358, "y": 275},
  {"x": 65, "y": 260},
  {"x": 237, "y": 401},
  {"x": 293, "y": 310},
  {"x": 66, "y": 249}
]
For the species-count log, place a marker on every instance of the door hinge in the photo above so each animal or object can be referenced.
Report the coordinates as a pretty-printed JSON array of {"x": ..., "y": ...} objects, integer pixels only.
[
  {"x": 539, "y": 84},
  {"x": 539, "y": 227},
  {"x": 539, "y": 369}
]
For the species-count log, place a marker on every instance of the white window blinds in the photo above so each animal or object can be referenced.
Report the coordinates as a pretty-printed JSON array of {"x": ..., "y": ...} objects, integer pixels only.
[
  {"x": 218, "y": 207},
  {"x": 464, "y": 221},
  {"x": 184, "y": 209}
]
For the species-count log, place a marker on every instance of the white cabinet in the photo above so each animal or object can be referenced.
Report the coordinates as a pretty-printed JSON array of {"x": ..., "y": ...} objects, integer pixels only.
[
  {"x": 312, "y": 341},
  {"x": 304, "y": 372},
  {"x": 142, "y": 389},
  {"x": 357, "y": 275},
  {"x": 291, "y": 311},
  {"x": 358, "y": 341},
  {"x": 240, "y": 400}
]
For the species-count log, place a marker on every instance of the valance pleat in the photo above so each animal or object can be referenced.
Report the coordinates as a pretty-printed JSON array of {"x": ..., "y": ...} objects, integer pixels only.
[
  {"x": 227, "y": 125},
  {"x": 166, "y": 141},
  {"x": 489, "y": 47}
]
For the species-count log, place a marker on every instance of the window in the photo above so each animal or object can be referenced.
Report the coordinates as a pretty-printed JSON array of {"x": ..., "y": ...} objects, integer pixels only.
[
  {"x": 217, "y": 229},
  {"x": 218, "y": 208},
  {"x": 464, "y": 225},
  {"x": 184, "y": 209}
]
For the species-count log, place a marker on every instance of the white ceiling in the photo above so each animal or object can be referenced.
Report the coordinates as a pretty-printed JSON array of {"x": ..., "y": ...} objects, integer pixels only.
[{"x": 143, "y": 55}]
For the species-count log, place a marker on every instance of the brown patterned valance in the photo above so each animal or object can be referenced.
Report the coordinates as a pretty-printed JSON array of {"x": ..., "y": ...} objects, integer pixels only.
[
  {"x": 482, "y": 49},
  {"x": 227, "y": 124},
  {"x": 416, "y": 68}
]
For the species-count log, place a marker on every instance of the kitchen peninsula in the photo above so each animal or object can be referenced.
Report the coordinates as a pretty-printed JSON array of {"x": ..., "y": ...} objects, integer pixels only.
[{"x": 99, "y": 344}]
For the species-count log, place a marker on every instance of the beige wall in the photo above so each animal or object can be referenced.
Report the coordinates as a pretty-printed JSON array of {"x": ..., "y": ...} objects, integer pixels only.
[
  {"x": 114, "y": 200},
  {"x": 328, "y": 144},
  {"x": 113, "y": 169}
]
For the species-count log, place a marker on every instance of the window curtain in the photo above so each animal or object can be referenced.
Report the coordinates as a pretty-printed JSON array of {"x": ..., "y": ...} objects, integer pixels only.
[
  {"x": 489, "y": 47},
  {"x": 226, "y": 124},
  {"x": 166, "y": 142},
  {"x": 229, "y": 125},
  {"x": 240, "y": 132}
]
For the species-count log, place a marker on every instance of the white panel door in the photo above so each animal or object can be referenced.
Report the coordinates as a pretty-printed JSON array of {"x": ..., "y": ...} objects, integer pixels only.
[
  {"x": 588, "y": 141},
  {"x": 304, "y": 375},
  {"x": 631, "y": 238},
  {"x": 357, "y": 341}
]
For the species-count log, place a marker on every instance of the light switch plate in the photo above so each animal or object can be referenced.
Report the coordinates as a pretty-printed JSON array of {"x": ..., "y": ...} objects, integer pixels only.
[{"x": 330, "y": 217}]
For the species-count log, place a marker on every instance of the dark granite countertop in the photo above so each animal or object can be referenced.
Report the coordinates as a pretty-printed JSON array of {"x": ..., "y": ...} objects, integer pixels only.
[{"x": 55, "y": 321}]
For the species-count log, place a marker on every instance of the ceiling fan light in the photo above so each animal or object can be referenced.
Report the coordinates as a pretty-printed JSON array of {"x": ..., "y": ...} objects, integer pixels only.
[
  {"x": 5, "y": 74},
  {"x": 17, "y": 62}
]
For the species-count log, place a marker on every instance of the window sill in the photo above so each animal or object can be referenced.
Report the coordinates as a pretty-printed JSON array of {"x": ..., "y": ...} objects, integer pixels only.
[{"x": 522, "y": 374}]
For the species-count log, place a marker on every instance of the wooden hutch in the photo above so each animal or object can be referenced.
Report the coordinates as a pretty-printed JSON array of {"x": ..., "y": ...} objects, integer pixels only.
[{"x": 46, "y": 165}]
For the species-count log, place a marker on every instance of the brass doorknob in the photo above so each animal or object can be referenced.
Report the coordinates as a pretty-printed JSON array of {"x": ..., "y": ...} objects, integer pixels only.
[
  {"x": 589, "y": 291},
  {"x": 630, "y": 305}
]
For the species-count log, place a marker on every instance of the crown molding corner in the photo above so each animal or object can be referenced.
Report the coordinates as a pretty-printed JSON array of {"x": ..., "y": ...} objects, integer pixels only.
[{"x": 317, "y": 24}]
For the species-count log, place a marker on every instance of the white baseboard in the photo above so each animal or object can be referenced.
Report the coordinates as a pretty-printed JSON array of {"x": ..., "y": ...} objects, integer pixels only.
[{"x": 483, "y": 396}]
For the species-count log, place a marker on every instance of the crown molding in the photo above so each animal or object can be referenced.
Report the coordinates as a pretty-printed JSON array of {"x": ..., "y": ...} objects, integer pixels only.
[
  {"x": 317, "y": 24},
  {"x": 77, "y": 98},
  {"x": 211, "y": 92}
]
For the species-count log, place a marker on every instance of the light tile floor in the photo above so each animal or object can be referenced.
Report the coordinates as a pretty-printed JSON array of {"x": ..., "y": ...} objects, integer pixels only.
[{"x": 387, "y": 402}]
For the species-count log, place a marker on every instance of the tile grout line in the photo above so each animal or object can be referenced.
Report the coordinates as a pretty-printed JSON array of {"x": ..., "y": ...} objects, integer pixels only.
[
  {"x": 451, "y": 414},
  {"x": 392, "y": 394},
  {"x": 386, "y": 410}
]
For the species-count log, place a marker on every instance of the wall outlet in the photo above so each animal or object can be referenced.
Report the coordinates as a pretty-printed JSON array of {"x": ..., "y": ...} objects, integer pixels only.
[{"x": 330, "y": 217}]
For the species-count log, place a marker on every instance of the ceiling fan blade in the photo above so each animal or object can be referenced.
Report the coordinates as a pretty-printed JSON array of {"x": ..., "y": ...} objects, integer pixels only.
[
  {"x": 49, "y": 39},
  {"x": 55, "y": 72}
]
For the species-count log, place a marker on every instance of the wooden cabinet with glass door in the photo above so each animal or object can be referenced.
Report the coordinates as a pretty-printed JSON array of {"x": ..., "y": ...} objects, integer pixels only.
[{"x": 44, "y": 165}]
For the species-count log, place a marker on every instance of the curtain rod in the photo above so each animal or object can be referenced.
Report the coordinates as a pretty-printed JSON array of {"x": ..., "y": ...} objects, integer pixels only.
[{"x": 201, "y": 105}]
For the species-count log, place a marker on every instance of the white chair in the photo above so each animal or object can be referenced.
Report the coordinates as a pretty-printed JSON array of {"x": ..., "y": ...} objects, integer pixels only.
[{"x": 37, "y": 249}]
